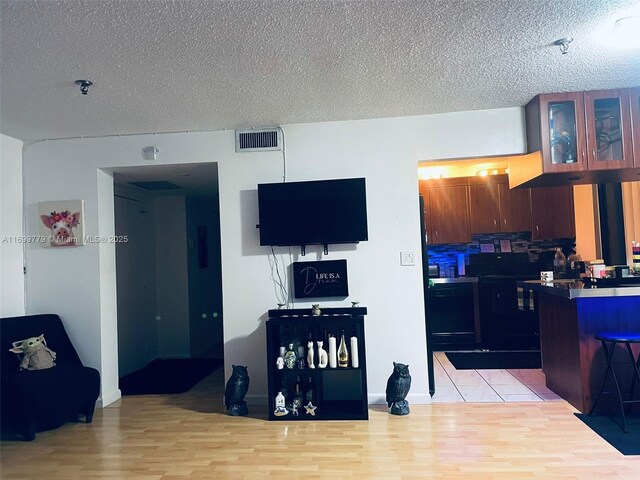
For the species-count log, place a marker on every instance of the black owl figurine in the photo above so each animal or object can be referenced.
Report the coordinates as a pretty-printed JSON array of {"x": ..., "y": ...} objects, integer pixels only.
[
  {"x": 235, "y": 391},
  {"x": 398, "y": 386}
]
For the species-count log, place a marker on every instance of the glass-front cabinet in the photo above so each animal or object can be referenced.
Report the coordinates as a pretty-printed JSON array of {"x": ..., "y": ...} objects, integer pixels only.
[
  {"x": 559, "y": 131},
  {"x": 608, "y": 121},
  {"x": 634, "y": 101}
]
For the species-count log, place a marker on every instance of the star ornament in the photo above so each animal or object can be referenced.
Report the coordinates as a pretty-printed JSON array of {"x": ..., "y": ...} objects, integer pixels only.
[{"x": 310, "y": 409}]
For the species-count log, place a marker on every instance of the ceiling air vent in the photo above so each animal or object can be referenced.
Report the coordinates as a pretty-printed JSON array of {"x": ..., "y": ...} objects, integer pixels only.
[{"x": 258, "y": 140}]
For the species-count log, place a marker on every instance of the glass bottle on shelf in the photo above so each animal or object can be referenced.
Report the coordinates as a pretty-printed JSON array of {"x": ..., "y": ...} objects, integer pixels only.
[
  {"x": 290, "y": 357},
  {"x": 559, "y": 262},
  {"x": 343, "y": 354},
  {"x": 310, "y": 393},
  {"x": 297, "y": 396}
]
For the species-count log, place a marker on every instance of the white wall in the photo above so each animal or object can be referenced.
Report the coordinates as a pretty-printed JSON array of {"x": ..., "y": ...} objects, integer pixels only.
[
  {"x": 385, "y": 151},
  {"x": 11, "y": 249}
]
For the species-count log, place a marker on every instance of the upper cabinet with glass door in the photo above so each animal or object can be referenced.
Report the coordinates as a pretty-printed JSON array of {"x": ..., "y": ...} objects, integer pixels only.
[
  {"x": 556, "y": 128},
  {"x": 634, "y": 100},
  {"x": 581, "y": 131},
  {"x": 608, "y": 120}
]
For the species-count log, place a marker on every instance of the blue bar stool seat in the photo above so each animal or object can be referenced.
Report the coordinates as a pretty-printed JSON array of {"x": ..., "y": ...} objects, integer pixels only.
[{"x": 609, "y": 342}]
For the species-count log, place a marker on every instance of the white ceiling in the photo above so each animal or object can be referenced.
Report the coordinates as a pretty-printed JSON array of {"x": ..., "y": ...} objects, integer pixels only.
[{"x": 190, "y": 65}]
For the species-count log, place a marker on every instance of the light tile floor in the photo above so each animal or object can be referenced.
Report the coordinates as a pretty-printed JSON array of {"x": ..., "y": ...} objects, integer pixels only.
[{"x": 488, "y": 385}]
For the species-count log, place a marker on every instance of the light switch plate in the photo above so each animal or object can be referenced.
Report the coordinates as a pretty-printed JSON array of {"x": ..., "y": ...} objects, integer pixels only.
[{"x": 407, "y": 258}]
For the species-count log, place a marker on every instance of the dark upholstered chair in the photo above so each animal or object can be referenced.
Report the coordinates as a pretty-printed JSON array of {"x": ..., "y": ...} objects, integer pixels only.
[{"x": 38, "y": 400}]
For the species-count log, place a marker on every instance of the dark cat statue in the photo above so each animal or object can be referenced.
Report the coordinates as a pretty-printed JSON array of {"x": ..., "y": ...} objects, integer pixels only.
[{"x": 398, "y": 387}]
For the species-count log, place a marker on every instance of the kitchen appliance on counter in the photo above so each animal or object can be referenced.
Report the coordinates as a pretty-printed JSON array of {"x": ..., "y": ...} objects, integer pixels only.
[{"x": 504, "y": 323}]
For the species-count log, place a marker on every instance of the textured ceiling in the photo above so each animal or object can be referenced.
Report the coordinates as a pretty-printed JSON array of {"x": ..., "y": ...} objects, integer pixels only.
[{"x": 161, "y": 66}]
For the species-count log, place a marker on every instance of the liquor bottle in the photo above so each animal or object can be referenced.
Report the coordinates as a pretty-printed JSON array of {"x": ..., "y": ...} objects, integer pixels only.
[
  {"x": 310, "y": 394},
  {"x": 355, "y": 362},
  {"x": 333, "y": 354},
  {"x": 290, "y": 357},
  {"x": 343, "y": 354},
  {"x": 297, "y": 395}
]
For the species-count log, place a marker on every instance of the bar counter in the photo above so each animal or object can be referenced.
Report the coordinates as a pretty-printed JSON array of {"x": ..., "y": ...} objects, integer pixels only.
[{"x": 571, "y": 312}]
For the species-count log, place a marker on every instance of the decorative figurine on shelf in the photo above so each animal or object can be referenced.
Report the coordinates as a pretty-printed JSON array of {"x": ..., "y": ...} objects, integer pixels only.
[
  {"x": 310, "y": 354},
  {"x": 354, "y": 304},
  {"x": 310, "y": 409},
  {"x": 290, "y": 357},
  {"x": 280, "y": 410},
  {"x": 280, "y": 363},
  {"x": 294, "y": 409},
  {"x": 323, "y": 358},
  {"x": 315, "y": 309},
  {"x": 235, "y": 391},
  {"x": 398, "y": 386}
]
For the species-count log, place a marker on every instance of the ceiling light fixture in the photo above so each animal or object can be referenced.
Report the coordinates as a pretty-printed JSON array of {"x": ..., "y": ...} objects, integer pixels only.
[
  {"x": 84, "y": 86},
  {"x": 563, "y": 43},
  {"x": 625, "y": 31}
]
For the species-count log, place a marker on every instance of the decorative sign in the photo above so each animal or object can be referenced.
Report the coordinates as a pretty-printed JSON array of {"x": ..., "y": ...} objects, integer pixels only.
[{"x": 320, "y": 279}]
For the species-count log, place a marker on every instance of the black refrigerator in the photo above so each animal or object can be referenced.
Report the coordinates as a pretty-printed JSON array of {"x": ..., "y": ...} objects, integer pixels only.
[{"x": 425, "y": 287}]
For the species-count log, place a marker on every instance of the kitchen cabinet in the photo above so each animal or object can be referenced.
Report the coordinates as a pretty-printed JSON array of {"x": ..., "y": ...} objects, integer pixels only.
[
  {"x": 447, "y": 211},
  {"x": 578, "y": 138},
  {"x": 634, "y": 102},
  {"x": 608, "y": 122},
  {"x": 515, "y": 209},
  {"x": 338, "y": 393},
  {"x": 556, "y": 127},
  {"x": 494, "y": 208},
  {"x": 552, "y": 214}
]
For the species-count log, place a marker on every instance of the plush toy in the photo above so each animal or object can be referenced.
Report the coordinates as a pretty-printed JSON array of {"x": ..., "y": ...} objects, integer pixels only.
[{"x": 34, "y": 353}]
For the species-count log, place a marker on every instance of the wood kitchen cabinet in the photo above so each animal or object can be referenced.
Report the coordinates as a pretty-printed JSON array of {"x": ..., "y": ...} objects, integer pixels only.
[
  {"x": 608, "y": 123},
  {"x": 556, "y": 128},
  {"x": 446, "y": 210},
  {"x": 494, "y": 208},
  {"x": 552, "y": 214},
  {"x": 634, "y": 101},
  {"x": 581, "y": 138}
]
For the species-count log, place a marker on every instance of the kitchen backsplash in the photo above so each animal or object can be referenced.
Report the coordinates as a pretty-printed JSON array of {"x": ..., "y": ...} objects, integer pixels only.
[{"x": 447, "y": 256}]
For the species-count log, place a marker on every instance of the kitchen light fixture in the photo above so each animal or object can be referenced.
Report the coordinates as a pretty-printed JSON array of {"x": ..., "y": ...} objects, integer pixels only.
[
  {"x": 84, "y": 86},
  {"x": 563, "y": 43},
  {"x": 625, "y": 31}
]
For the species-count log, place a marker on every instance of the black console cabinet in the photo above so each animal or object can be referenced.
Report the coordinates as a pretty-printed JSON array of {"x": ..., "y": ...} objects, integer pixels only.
[{"x": 339, "y": 393}]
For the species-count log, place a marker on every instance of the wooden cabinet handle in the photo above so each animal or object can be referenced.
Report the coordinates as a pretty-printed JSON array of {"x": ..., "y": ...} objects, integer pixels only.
[
  {"x": 593, "y": 153},
  {"x": 505, "y": 221},
  {"x": 495, "y": 222},
  {"x": 584, "y": 154}
]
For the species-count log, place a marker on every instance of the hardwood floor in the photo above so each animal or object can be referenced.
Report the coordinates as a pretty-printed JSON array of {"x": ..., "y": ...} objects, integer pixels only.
[{"x": 190, "y": 436}]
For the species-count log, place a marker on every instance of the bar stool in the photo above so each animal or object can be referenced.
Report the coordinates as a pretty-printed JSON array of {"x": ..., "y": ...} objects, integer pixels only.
[{"x": 609, "y": 341}]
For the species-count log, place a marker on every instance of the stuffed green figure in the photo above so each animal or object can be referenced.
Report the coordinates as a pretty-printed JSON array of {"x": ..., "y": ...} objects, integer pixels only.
[{"x": 34, "y": 353}]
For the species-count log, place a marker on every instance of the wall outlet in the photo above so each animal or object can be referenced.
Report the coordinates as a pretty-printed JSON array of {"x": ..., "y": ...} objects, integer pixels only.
[{"x": 407, "y": 258}]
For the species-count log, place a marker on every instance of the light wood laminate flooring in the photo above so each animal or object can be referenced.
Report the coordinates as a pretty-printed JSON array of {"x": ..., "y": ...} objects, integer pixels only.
[{"x": 189, "y": 436}]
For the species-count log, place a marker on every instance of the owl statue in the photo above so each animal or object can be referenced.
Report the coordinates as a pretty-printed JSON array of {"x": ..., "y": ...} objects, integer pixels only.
[
  {"x": 398, "y": 386},
  {"x": 235, "y": 391}
]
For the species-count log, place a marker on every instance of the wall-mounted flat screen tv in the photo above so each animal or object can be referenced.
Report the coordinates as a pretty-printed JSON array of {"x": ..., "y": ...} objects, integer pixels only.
[{"x": 319, "y": 212}]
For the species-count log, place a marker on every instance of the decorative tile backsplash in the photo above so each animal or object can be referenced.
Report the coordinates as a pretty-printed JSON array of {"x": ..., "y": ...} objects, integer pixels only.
[{"x": 446, "y": 256}]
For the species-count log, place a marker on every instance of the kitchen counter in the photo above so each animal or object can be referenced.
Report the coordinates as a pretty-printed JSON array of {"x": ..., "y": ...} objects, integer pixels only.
[
  {"x": 571, "y": 313},
  {"x": 455, "y": 280},
  {"x": 572, "y": 289}
]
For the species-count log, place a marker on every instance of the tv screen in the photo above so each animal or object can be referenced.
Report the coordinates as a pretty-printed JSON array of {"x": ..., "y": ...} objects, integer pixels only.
[{"x": 317, "y": 212}]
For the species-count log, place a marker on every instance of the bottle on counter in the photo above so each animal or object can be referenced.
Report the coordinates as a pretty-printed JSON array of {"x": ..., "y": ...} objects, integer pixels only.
[{"x": 559, "y": 262}]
